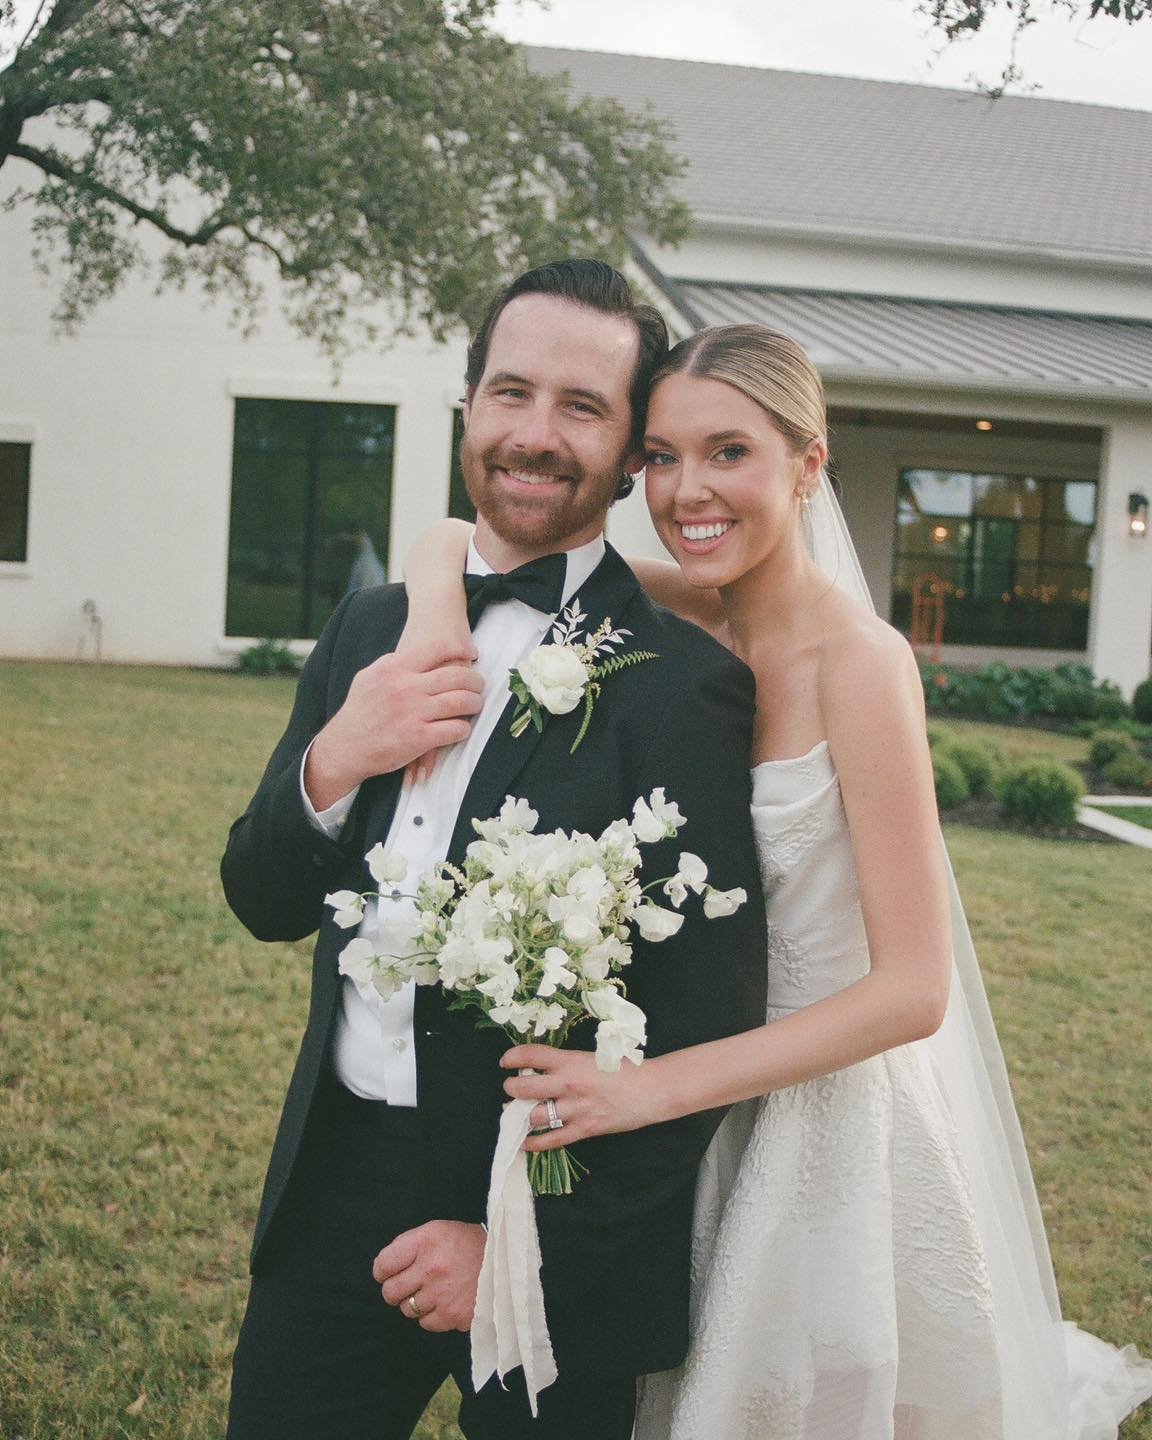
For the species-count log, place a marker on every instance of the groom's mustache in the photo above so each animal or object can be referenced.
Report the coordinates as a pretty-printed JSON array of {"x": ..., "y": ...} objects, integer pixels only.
[{"x": 543, "y": 463}]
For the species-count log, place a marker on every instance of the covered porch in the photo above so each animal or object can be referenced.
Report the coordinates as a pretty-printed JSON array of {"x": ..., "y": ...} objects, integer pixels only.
[{"x": 990, "y": 461}]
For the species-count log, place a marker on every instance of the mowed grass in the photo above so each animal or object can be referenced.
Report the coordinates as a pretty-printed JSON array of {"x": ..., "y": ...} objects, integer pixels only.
[{"x": 146, "y": 1040}]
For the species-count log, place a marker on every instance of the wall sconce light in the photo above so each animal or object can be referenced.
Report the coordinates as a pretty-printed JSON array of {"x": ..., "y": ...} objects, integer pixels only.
[
  {"x": 984, "y": 424},
  {"x": 1137, "y": 515}
]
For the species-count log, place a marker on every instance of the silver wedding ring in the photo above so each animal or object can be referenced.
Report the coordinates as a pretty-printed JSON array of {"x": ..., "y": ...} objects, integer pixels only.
[{"x": 554, "y": 1121}]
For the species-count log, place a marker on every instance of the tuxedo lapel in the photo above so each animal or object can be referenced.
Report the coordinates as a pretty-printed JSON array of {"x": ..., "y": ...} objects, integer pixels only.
[{"x": 606, "y": 592}]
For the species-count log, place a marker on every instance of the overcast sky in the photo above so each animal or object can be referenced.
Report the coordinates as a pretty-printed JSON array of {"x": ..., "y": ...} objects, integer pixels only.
[{"x": 1103, "y": 61}]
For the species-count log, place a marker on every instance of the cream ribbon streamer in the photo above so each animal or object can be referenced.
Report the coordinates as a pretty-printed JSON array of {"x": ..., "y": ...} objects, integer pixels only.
[{"x": 509, "y": 1327}]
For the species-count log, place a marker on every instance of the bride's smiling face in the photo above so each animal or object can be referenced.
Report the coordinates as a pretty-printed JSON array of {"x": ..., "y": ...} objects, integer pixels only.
[{"x": 723, "y": 484}]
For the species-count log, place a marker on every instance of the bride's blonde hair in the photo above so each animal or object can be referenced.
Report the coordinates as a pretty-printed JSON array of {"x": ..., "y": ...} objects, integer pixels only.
[{"x": 771, "y": 369}]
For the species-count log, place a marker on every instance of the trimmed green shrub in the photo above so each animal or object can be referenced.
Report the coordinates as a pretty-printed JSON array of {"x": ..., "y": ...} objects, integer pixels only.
[
  {"x": 999, "y": 692},
  {"x": 951, "y": 786},
  {"x": 1129, "y": 772},
  {"x": 268, "y": 657},
  {"x": 1040, "y": 792},
  {"x": 1142, "y": 702},
  {"x": 978, "y": 760},
  {"x": 1109, "y": 745}
]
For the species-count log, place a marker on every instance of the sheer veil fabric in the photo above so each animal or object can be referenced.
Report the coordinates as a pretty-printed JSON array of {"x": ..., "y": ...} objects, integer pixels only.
[{"x": 774, "y": 1164}]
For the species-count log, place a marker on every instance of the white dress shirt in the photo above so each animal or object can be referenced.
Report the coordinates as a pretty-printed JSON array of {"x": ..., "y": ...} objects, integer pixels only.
[{"x": 374, "y": 1053}]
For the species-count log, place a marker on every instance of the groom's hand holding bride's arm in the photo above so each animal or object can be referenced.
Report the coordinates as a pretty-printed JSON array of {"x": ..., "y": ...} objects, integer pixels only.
[{"x": 399, "y": 707}]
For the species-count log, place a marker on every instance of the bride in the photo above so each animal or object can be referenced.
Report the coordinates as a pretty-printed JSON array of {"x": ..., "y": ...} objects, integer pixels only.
[{"x": 869, "y": 1259}]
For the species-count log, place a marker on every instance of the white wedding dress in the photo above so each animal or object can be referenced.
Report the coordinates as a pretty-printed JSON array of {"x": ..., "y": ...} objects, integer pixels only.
[
  {"x": 868, "y": 1260},
  {"x": 869, "y": 1257}
]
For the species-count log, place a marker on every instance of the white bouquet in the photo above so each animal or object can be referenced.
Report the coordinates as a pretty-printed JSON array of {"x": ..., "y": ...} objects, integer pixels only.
[{"x": 533, "y": 931}]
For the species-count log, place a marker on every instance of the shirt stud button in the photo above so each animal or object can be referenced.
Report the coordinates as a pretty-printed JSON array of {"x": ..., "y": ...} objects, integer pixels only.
[{"x": 418, "y": 820}]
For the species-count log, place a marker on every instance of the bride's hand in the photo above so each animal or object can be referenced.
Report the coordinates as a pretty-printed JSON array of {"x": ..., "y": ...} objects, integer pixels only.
[{"x": 588, "y": 1100}]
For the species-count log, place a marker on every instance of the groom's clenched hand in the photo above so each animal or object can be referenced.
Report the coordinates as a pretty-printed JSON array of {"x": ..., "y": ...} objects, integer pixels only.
[
  {"x": 430, "y": 1273},
  {"x": 397, "y": 708}
]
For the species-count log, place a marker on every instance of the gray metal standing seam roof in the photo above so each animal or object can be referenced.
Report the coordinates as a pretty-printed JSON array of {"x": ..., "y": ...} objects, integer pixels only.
[
  {"x": 917, "y": 342},
  {"x": 824, "y": 153}
]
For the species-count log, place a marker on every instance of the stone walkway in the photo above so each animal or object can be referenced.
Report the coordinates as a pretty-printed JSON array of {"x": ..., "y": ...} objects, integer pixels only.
[{"x": 1112, "y": 824}]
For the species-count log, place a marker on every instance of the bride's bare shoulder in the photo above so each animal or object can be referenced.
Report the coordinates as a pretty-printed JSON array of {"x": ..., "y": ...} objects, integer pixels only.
[{"x": 866, "y": 666}]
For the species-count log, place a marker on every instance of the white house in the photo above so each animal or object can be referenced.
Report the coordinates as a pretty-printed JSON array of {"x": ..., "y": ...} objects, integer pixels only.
[{"x": 973, "y": 278}]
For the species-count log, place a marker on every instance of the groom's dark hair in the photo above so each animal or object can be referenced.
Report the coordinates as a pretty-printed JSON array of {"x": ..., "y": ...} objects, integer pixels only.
[{"x": 591, "y": 283}]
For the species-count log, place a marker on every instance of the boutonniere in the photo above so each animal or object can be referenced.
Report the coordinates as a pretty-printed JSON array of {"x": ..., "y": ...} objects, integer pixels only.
[{"x": 566, "y": 670}]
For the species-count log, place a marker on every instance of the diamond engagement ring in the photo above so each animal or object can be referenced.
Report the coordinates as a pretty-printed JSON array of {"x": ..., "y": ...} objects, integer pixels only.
[{"x": 554, "y": 1120}]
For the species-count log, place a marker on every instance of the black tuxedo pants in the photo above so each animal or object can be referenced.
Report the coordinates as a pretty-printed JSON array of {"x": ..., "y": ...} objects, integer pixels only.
[{"x": 321, "y": 1356}]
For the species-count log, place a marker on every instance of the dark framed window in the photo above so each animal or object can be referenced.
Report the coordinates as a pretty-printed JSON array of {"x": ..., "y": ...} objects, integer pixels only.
[
  {"x": 459, "y": 504},
  {"x": 15, "y": 470},
  {"x": 310, "y": 515},
  {"x": 1012, "y": 556}
]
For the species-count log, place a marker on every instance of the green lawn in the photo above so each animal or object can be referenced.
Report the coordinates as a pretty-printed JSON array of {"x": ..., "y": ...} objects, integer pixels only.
[{"x": 145, "y": 1041}]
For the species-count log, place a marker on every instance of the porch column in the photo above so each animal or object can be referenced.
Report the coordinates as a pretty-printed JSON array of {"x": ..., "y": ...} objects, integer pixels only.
[{"x": 1120, "y": 626}]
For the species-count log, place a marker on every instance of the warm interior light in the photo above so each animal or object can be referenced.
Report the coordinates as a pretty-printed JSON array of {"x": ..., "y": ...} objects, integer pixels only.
[
  {"x": 940, "y": 534},
  {"x": 983, "y": 424},
  {"x": 1137, "y": 515}
]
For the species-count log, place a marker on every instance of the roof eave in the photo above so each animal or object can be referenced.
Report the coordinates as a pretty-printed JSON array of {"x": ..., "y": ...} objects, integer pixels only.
[
  {"x": 983, "y": 385},
  {"x": 940, "y": 245}
]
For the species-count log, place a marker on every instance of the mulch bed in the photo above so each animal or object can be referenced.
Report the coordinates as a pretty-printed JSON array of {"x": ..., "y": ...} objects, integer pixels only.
[{"x": 982, "y": 812}]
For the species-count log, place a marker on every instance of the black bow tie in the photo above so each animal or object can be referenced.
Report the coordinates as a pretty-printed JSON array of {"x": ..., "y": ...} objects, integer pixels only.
[{"x": 540, "y": 584}]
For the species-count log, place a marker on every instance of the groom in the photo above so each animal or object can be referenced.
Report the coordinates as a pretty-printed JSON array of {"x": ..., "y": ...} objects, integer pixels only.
[{"x": 391, "y": 1117}]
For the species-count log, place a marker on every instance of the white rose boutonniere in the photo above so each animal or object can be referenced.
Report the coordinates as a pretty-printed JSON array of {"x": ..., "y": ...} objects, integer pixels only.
[{"x": 555, "y": 677}]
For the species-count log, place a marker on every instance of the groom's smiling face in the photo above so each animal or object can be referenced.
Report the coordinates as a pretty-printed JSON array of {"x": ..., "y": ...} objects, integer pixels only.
[{"x": 548, "y": 427}]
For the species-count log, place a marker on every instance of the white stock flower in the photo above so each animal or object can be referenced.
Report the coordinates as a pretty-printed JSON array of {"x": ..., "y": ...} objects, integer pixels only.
[
  {"x": 385, "y": 868},
  {"x": 622, "y": 1030},
  {"x": 556, "y": 678},
  {"x": 655, "y": 818},
  {"x": 657, "y": 924},
  {"x": 723, "y": 902},
  {"x": 349, "y": 907},
  {"x": 358, "y": 962}
]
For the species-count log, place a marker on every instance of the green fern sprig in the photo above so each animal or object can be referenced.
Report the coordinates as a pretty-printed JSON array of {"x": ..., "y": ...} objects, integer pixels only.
[
  {"x": 621, "y": 662},
  {"x": 595, "y": 675}
]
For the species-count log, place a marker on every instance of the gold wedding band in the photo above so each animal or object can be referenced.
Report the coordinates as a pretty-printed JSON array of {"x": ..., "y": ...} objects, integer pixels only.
[{"x": 417, "y": 1313}]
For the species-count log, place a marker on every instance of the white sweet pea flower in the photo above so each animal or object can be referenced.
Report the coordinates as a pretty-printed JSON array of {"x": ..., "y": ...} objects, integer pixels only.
[
  {"x": 579, "y": 930},
  {"x": 358, "y": 962},
  {"x": 655, "y": 818},
  {"x": 657, "y": 924},
  {"x": 457, "y": 962},
  {"x": 388, "y": 980},
  {"x": 596, "y": 963},
  {"x": 723, "y": 902},
  {"x": 556, "y": 678},
  {"x": 515, "y": 815},
  {"x": 556, "y": 975},
  {"x": 385, "y": 868},
  {"x": 622, "y": 1030},
  {"x": 500, "y": 986},
  {"x": 349, "y": 907},
  {"x": 398, "y": 937}
]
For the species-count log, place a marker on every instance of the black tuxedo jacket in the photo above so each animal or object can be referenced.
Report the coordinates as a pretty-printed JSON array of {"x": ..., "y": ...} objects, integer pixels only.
[{"x": 616, "y": 1251}]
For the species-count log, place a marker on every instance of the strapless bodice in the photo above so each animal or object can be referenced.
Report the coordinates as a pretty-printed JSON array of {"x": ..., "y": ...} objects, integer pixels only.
[{"x": 817, "y": 943}]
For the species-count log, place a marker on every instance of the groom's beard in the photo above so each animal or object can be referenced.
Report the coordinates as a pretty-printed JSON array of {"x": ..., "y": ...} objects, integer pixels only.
[{"x": 536, "y": 521}]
